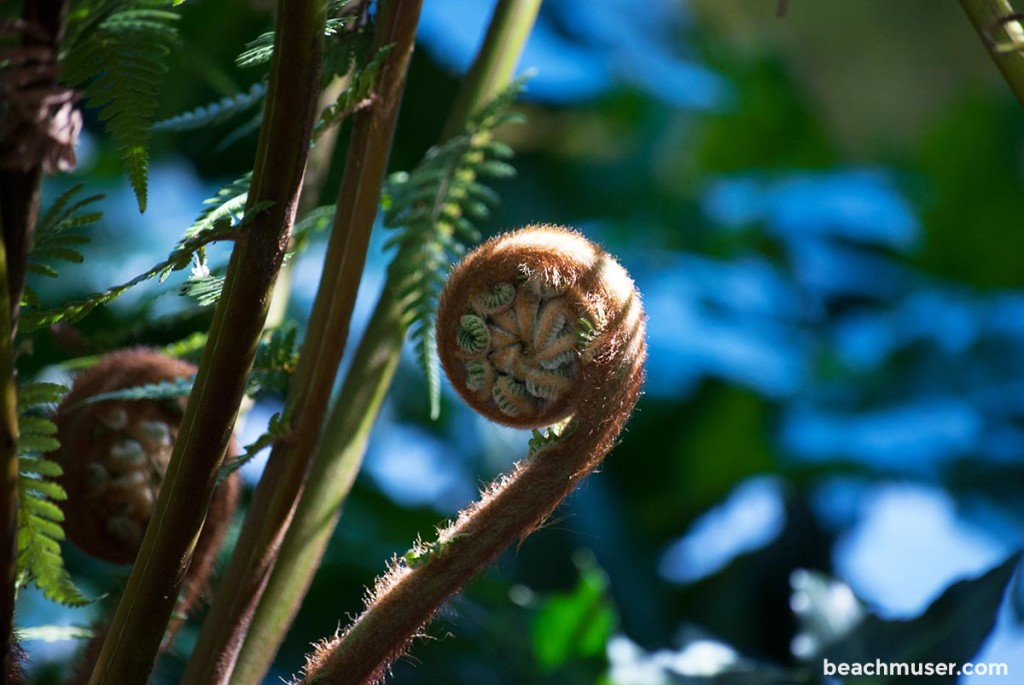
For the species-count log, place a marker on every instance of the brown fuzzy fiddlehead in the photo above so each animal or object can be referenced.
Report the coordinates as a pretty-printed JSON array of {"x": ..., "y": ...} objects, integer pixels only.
[
  {"x": 536, "y": 327},
  {"x": 115, "y": 453}
]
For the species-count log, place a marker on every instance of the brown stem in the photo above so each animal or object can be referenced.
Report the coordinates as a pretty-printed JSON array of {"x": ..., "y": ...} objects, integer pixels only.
[
  {"x": 23, "y": 151},
  {"x": 8, "y": 477},
  {"x": 152, "y": 590},
  {"x": 560, "y": 275},
  {"x": 20, "y": 178},
  {"x": 369, "y": 377},
  {"x": 281, "y": 485}
]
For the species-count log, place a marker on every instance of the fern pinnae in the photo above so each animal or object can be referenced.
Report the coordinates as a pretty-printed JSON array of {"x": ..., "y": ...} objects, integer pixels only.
[
  {"x": 227, "y": 203},
  {"x": 251, "y": 125},
  {"x": 63, "y": 215},
  {"x": 162, "y": 390},
  {"x": 56, "y": 237},
  {"x": 120, "y": 64},
  {"x": 361, "y": 81},
  {"x": 437, "y": 207},
  {"x": 214, "y": 113},
  {"x": 179, "y": 258},
  {"x": 259, "y": 50},
  {"x": 39, "y": 518}
]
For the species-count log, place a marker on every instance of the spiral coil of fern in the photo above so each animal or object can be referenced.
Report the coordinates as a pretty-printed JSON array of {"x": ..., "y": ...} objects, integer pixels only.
[
  {"x": 115, "y": 453},
  {"x": 535, "y": 327}
]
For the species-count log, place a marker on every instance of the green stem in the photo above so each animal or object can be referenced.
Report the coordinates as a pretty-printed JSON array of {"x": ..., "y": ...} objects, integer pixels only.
[
  {"x": 281, "y": 485},
  {"x": 987, "y": 17},
  {"x": 317, "y": 167},
  {"x": 334, "y": 470},
  {"x": 495, "y": 63},
  {"x": 152, "y": 589},
  {"x": 355, "y": 409}
]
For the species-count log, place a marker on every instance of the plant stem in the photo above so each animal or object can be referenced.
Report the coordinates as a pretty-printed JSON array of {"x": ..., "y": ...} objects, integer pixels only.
[
  {"x": 317, "y": 166},
  {"x": 19, "y": 188},
  {"x": 494, "y": 65},
  {"x": 152, "y": 589},
  {"x": 355, "y": 409},
  {"x": 334, "y": 470},
  {"x": 280, "y": 487},
  {"x": 990, "y": 21},
  {"x": 8, "y": 474}
]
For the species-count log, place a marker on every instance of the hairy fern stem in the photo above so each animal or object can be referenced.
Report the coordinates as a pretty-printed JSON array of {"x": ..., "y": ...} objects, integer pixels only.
[{"x": 553, "y": 274}]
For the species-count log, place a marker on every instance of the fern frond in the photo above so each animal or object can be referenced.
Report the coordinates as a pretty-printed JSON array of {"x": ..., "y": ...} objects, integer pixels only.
[
  {"x": 204, "y": 288},
  {"x": 185, "y": 347},
  {"x": 54, "y": 633},
  {"x": 436, "y": 208},
  {"x": 250, "y": 126},
  {"x": 227, "y": 205},
  {"x": 41, "y": 394},
  {"x": 164, "y": 390},
  {"x": 120, "y": 65},
  {"x": 259, "y": 50},
  {"x": 215, "y": 113},
  {"x": 56, "y": 238},
  {"x": 275, "y": 362},
  {"x": 355, "y": 96},
  {"x": 278, "y": 428},
  {"x": 179, "y": 258},
  {"x": 39, "y": 519},
  {"x": 315, "y": 221}
]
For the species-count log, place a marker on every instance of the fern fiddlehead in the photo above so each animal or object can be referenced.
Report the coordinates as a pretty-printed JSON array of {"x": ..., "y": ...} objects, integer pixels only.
[
  {"x": 536, "y": 327},
  {"x": 114, "y": 454}
]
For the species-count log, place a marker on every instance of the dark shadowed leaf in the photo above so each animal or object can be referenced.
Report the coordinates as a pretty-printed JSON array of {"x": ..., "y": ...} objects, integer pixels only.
[{"x": 952, "y": 629}]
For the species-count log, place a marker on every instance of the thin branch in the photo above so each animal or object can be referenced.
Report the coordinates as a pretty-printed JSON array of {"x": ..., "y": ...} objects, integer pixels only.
[
  {"x": 8, "y": 474},
  {"x": 152, "y": 589},
  {"x": 1002, "y": 33},
  {"x": 281, "y": 485}
]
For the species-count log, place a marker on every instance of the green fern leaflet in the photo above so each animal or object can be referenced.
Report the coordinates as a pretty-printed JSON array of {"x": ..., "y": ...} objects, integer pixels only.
[
  {"x": 58, "y": 236},
  {"x": 437, "y": 207},
  {"x": 121, "y": 63},
  {"x": 39, "y": 517},
  {"x": 218, "y": 112}
]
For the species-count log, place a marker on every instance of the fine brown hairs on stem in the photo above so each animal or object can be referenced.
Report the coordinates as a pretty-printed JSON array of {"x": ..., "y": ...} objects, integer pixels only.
[
  {"x": 114, "y": 454},
  {"x": 538, "y": 327}
]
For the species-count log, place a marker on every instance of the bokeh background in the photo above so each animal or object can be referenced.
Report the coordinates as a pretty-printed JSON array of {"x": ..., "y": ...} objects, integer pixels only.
[{"x": 822, "y": 211}]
